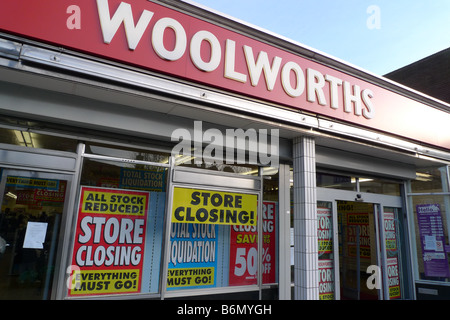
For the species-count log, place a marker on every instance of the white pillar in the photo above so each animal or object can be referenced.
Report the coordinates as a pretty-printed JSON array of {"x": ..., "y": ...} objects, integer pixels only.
[
  {"x": 305, "y": 220},
  {"x": 284, "y": 250}
]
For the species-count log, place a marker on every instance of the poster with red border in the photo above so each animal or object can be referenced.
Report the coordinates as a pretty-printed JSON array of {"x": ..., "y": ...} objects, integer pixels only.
[
  {"x": 326, "y": 279},
  {"x": 390, "y": 234},
  {"x": 393, "y": 278},
  {"x": 244, "y": 250},
  {"x": 324, "y": 230},
  {"x": 109, "y": 242}
]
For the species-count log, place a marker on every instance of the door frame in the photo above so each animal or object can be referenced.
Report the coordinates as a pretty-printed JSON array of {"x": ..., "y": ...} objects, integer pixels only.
[{"x": 379, "y": 201}]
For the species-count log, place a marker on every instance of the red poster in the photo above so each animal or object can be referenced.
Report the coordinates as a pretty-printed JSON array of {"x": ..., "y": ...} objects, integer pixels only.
[
  {"x": 324, "y": 233},
  {"x": 326, "y": 280},
  {"x": 109, "y": 242},
  {"x": 393, "y": 278},
  {"x": 244, "y": 250},
  {"x": 390, "y": 233}
]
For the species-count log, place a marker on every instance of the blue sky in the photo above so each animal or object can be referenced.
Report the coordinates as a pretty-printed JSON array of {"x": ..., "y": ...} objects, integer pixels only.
[{"x": 408, "y": 30}]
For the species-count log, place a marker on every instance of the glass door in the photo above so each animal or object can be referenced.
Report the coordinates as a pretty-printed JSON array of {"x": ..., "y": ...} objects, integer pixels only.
[
  {"x": 32, "y": 206},
  {"x": 326, "y": 236},
  {"x": 394, "y": 253},
  {"x": 357, "y": 249},
  {"x": 361, "y": 246}
]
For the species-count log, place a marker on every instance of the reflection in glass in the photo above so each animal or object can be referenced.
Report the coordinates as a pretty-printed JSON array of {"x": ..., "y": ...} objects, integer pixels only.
[{"x": 31, "y": 212}]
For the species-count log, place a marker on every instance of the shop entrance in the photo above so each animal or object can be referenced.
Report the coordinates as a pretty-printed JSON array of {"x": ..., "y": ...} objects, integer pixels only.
[
  {"x": 32, "y": 207},
  {"x": 357, "y": 249},
  {"x": 362, "y": 252}
]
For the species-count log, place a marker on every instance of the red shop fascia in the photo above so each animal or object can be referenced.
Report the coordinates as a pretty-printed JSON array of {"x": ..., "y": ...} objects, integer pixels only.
[{"x": 154, "y": 37}]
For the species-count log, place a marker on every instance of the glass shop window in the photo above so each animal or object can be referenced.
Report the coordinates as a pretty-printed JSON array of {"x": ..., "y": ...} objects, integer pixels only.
[
  {"x": 127, "y": 153},
  {"x": 26, "y": 138},
  {"x": 335, "y": 181},
  {"x": 213, "y": 239},
  {"x": 119, "y": 229},
  {"x": 243, "y": 169},
  {"x": 379, "y": 186},
  {"x": 32, "y": 207},
  {"x": 429, "y": 200}
]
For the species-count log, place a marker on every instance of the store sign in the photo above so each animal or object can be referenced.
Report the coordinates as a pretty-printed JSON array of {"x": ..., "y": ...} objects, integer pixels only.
[
  {"x": 150, "y": 36},
  {"x": 109, "y": 241},
  {"x": 213, "y": 207}
]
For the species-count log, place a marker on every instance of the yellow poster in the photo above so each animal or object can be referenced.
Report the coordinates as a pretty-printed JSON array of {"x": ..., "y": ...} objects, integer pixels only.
[
  {"x": 99, "y": 201},
  {"x": 214, "y": 207},
  {"x": 105, "y": 281},
  {"x": 186, "y": 277}
]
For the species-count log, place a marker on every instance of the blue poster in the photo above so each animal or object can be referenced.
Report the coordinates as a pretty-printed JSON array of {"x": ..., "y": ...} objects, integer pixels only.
[
  {"x": 153, "y": 243},
  {"x": 138, "y": 179},
  {"x": 193, "y": 256}
]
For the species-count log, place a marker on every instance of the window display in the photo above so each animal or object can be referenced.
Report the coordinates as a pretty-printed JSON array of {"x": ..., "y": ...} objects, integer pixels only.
[
  {"x": 119, "y": 229},
  {"x": 429, "y": 200},
  {"x": 214, "y": 239}
]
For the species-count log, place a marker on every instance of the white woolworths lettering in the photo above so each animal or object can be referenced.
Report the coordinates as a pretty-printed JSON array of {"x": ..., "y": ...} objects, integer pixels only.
[
  {"x": 355, "y": 100},
  {"x": 230, "y": 61},
  {"x": 286, "y": 71},
  {"x": 123, "y": 13},
  {"x": 216, "y": 51},
  {"x": 158, "y": 36},
  {"x": 262, "y": 63}
]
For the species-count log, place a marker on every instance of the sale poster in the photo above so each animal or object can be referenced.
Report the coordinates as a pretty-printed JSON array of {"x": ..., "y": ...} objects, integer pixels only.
[
  {"x": 109, "y": 242},
  {"x": 138, "y": 179},
  {"x": 213, "y": 207},
  {"x": 326, "y": 279},
  {"x": 244, "y": 250},
  {"x": 390, "y": 234},
  {"x": 325, "y": 251},
  {"x": 193, "y": 256},
  {"x": 37, "y": 193},
  {"x": 393, "y": 278},
  {"x": 358, "y": 235},
  {"x": 325, "y": 231}
]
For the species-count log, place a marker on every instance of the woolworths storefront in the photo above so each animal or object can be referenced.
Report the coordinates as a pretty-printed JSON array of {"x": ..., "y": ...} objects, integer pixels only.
[{"x": 158, "y": 150}]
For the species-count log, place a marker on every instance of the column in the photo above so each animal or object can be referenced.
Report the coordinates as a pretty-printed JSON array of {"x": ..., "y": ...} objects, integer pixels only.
[
  {"x": 284, "y": 250},
  {"x": 305, "y": 220}
]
